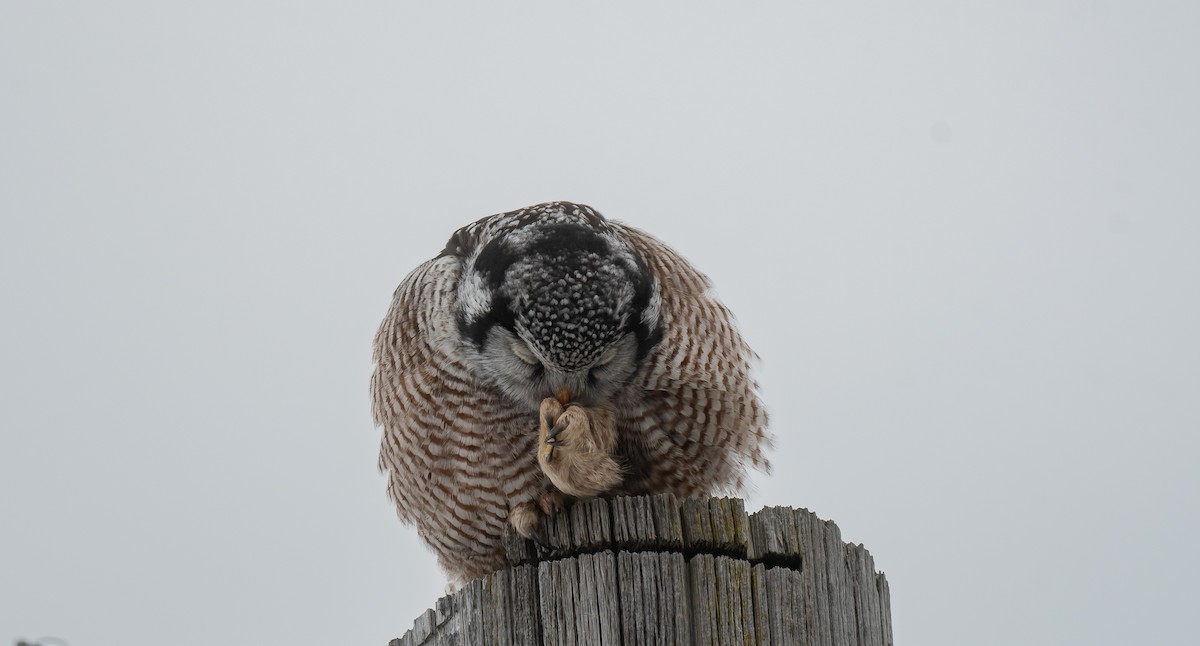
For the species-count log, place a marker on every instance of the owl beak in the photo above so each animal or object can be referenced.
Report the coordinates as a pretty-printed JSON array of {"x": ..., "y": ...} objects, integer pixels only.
[{"x": 564, "y": 396}]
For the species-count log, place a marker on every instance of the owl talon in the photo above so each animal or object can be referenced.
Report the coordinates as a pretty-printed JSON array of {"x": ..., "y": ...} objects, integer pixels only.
[
  {"x": 584, "y": 466},
  {"x": 552, "y": 436},
  {"x": 536, "y": 519},
  {"x": 538, "y": 536},
  {"x": 526, "y": 520},
  {"x": 551, "y": 503}
]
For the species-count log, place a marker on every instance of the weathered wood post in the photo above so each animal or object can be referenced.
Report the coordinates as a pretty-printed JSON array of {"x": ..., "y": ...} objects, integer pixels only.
[{"x": 653, "y": 570}]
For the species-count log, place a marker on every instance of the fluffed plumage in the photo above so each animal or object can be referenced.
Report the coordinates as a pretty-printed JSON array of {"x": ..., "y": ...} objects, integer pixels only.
[{"x": 526, "y": 306}]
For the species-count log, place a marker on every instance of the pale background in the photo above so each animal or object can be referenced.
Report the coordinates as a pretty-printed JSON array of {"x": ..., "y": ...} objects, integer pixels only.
[{"x": 965, "y": 242}]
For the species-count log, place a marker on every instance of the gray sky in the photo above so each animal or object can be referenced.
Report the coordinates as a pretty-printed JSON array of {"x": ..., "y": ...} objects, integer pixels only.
[{"x": 965, "y": 242}]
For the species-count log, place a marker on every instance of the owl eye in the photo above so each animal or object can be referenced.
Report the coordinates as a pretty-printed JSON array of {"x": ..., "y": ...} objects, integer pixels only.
[
  {"x": 606, "y": 357},
  {"x": 522, "y": 352},
  {"x": 600, "y": 367}
]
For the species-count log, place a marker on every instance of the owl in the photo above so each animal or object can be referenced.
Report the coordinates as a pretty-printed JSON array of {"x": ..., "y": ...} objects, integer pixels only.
[{"x": 549, "y": 354}]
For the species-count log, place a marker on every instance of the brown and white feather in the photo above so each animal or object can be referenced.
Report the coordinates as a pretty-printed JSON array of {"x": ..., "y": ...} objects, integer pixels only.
[{"x": 459, "y": 457}]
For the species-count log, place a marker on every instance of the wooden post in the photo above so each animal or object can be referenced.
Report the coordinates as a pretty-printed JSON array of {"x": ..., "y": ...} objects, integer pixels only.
[{"x": 654, "y": 570}]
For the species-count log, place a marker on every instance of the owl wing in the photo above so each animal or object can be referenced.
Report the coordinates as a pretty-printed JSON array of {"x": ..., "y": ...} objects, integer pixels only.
[
  {"x": 455, "y": 453},
  {"x": 699, "y": 390}
]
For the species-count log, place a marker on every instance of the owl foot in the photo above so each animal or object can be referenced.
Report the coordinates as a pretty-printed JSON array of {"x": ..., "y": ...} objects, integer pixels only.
[
  {"x": 526, "y": 517},
  {"x": 576, "y": 450},
  {"x": 551, "y": 504},
  {"x": 527, "y": 521}
]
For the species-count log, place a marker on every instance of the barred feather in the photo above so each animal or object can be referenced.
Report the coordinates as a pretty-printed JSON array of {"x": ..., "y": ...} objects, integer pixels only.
[{"x": 459, "y": 456}]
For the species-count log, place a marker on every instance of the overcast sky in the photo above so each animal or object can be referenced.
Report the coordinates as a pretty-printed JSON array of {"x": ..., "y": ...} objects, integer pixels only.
[{"x": 965, "y": 242}]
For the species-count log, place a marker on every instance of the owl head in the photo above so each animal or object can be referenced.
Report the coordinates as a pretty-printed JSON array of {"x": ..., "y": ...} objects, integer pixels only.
[{"x": 557, "y": 303}]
